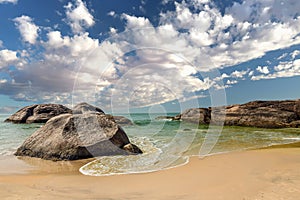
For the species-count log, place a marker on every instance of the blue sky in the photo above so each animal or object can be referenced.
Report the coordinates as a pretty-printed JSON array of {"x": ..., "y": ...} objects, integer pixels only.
[{"x": 141, "y": 54}]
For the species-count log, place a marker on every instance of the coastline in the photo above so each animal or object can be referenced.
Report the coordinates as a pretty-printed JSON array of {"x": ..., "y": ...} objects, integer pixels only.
[{"x": 271, "y": 173}]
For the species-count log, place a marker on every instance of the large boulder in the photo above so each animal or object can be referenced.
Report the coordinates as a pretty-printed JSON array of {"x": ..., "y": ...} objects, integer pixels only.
[
  {"x": 37, "y": 113},
  {"x": 78, "y": 136}
]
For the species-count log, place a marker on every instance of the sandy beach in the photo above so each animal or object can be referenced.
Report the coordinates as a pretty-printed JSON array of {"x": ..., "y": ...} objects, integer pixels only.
[{"x": 250, "y": 175}]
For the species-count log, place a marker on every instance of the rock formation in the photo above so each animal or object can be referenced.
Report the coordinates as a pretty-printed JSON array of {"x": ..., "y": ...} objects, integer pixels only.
[
  {"x": 37, "y": 113},
  {"x": 85, "y": 108},
  {"x": 78, "y": 136},
  {"x": 263, "y": 114}
]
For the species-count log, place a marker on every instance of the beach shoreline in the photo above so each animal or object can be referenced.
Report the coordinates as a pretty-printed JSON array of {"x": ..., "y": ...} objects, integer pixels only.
[{"x": 253, "y": 174}]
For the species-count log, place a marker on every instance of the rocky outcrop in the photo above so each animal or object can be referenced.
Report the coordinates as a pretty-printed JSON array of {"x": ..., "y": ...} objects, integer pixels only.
[
  {"x": 78, "y": 136},
  {"x": 264, "y": 114},
  {"x": 85, "y": 108},
  {"x": 38, "y": 113},
  {"x": 41, "y": 113},
  {"x": 122, "y": 121},
  {"x": 196, "y": 115}
]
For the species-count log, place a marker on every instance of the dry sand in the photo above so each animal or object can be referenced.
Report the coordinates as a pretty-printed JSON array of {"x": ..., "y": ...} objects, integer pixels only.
[{"x": 272, "y": 174}]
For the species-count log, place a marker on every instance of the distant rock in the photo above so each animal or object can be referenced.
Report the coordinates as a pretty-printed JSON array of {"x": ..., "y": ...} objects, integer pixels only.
[
  {"x": 164, "y": 118},
  {"x": 85, "y": 108},
  {"x": 38, "y": 113},
  {"x": 195, "y": 115},
  {"x": 263, "y": 114},
  {"x": 122, "y": 121},
  {"x": 78, "y": 136}
]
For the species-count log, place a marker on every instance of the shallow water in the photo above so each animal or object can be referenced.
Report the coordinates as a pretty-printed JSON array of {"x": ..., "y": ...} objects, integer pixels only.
[{"x": 165, "y": 143}]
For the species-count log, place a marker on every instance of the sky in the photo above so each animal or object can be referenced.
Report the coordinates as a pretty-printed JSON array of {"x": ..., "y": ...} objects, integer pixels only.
[{"x": 148, "y": 55}]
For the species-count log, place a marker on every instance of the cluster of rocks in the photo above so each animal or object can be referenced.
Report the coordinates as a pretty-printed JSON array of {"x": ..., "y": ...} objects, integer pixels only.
[
  {"x": 41, "y": 113},
  {"x": 84, "y": 132},
  {"x": 262, "y": 114},
  {"x": 38, "y": 113}
]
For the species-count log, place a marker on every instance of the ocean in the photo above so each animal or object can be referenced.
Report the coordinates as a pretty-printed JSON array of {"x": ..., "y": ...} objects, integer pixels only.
[{"x": 165, "y": 143}]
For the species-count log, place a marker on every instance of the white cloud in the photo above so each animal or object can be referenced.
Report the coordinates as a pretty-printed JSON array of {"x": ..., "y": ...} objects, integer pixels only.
[
  {"x": 251, "y": 73},
  {"x": 136, "y": 22},
  {"x": 231, "y": 82},
  {"x": 165, "y": 1},
  {"x": 282, "y": 56},
  {"x": 9, "y": 1},
  {"x": 161, "y": 77},
  {"x": 111, "y": 13},
  {"x": 263, "y": 70},
  {"x": 112, "y": 30},
  {"x": 28, "y": 30},
  {"x": 284, "y": 69},
  {"x": 196, "y": 37},
  {"x": 1, "y": 43},
  {"x": 295, "y": 53},
  {"x": 75, "y": 46},
  {"x": 87, "y": 65},
  {"x": 78, "y": 16},
  {"x": 246, "y": 31},
  {"x": 238, "y": 74},
  {"x": 222, "y": 77},
  {"x": 7, "y": 57},
  {"x": 55, "y": 40}
]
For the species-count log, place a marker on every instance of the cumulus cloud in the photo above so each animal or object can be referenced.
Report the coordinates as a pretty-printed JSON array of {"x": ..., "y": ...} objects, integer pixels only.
[
  {"x": 111, "y": 13},
  {"x": 295, "y": 53},
  {"x": 162, "y": 77},
  {"x": 145, "y": 65},
  {"x": 9, "y": 1},
  {"x": 231, "y": 82},
  {"x": 7, "y": 57},
  {"x": 283, "y": 69},
  {"x": 202, "y": 34},
  {"x": 78, "y": 16},
  {"x": 263, "y": 70},
  {"x": 238, "y": 74},
  {"x": 28, "y": 30}
]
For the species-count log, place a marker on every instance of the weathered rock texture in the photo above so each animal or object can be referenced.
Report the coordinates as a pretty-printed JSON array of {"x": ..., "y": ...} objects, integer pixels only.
[
  {"x": 78, "y": 136},
  {"x": 122, "y": 121},
  {"x": 87, "y": 108},
  {"x": 38, "y": 113},
  {"x": 264, "y": 114}
]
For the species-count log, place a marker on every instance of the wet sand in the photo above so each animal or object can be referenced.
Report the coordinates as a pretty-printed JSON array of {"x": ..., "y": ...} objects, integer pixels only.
[{"x": 270, "y": 174}]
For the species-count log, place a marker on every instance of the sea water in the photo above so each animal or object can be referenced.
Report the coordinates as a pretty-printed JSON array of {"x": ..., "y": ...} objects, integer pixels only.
[{"x": 165, "y": 144}]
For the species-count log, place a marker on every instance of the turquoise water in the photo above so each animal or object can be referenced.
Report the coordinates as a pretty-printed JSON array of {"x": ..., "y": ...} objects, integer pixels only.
[
  {"x": 165, "y": 143},
  {"x": 12, "y": 135}
]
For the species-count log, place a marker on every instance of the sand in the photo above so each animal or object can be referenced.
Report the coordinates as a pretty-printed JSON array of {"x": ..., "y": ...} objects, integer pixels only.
[{"x": 250, "y": 175}]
